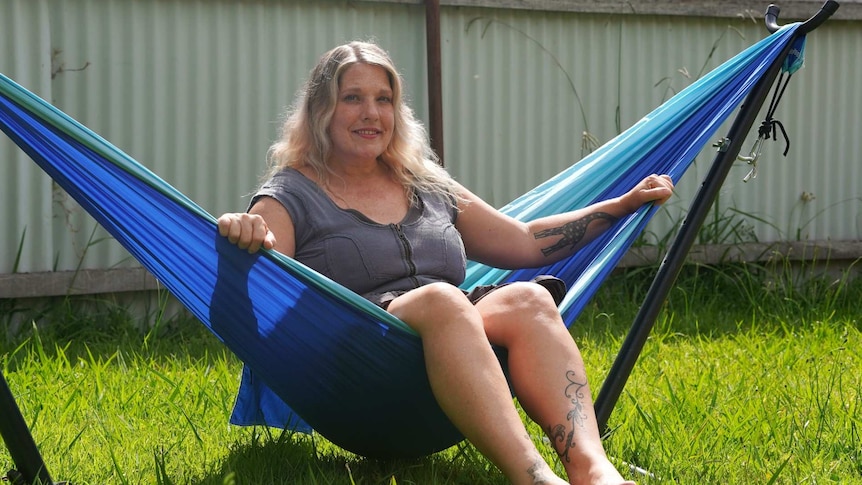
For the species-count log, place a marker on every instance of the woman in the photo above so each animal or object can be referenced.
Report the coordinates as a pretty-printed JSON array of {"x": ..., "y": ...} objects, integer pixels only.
[{"x": 355, "y": 193}]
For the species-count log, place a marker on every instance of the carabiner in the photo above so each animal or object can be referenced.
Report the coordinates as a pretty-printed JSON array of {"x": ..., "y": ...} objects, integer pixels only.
[{"x": 751, "y": 159}]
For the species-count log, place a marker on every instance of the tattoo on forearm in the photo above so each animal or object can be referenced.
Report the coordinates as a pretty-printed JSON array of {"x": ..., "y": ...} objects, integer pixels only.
[
  {"x": 576, "y": 417},
  {"x": 573, "y": 232}
]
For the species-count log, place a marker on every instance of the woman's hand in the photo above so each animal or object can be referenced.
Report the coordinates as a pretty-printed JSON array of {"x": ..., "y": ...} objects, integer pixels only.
[
  {"x": 248, "y": 231},
  {"x": 653, "y": 188}
]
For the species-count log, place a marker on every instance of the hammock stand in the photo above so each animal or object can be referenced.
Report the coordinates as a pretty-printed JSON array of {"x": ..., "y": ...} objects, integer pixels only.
[
  {"x": 31, "y": 467},
  {"x": 728, "y": 151}
]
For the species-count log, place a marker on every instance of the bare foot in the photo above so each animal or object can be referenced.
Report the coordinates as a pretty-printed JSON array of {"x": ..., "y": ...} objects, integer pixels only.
[{"x": 606, "y": 474}]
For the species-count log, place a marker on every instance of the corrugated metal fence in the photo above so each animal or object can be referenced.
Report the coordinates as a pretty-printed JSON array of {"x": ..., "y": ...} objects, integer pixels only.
[{"x": 195, "y": 89}]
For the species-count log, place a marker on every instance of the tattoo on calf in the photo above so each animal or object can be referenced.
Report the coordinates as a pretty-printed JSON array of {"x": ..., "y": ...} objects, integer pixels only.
[
  {"x": 576, "y": 416},
  {"x": 573, "y": 232},
  {"x": 535, "y": 473}
]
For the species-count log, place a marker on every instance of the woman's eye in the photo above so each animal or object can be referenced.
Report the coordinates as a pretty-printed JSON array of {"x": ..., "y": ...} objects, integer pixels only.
[
  {"x": 351, "y": 97},
  {"x": 385, "y": 99}
]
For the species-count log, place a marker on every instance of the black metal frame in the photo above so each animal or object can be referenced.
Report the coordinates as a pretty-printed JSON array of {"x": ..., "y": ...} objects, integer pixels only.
[
  {"x": 32, "y": 468},
  {"x": 706, "y": 195},
  {"x": 19, "y": 442}
]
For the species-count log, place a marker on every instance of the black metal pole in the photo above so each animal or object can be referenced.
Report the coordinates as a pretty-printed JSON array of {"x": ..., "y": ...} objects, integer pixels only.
[
  {"x": 679, "y": 248},
  {"x": 19, "y": 442}
]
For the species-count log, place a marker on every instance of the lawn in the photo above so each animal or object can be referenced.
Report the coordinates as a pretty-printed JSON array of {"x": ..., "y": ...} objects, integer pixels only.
[{"x": 749, "y": 377}]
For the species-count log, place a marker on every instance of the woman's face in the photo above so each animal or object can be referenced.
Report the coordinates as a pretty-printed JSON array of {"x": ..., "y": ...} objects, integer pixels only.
[{"x": 361, "y": 126}]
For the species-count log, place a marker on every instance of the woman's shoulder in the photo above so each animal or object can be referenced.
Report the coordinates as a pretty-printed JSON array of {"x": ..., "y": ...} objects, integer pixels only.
[
  {"x": 288, "y": 180},
  {"x": 286, "y": 175},
  {"x": 288, "y": 186}
]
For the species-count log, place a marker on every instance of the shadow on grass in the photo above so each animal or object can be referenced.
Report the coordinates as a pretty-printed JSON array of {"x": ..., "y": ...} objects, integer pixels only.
[{"x": 302, "y": 459}]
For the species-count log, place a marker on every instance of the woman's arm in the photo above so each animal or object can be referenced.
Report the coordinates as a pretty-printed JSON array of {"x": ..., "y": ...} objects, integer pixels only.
[{"x": 498, "y": 240}]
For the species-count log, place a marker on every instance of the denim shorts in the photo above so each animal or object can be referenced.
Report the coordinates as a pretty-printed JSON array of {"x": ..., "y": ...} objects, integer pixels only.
[{"x": 555, "y": 286}]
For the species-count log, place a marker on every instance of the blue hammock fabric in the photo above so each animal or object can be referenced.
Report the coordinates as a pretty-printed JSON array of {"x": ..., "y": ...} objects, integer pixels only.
[{"x": 317, "y": 355}]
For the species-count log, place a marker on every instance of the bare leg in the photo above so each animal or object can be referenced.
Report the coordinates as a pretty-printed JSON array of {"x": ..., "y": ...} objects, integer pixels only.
[
  {"x": 468, "y": 382},
  {"x": 548, "y": 377}
]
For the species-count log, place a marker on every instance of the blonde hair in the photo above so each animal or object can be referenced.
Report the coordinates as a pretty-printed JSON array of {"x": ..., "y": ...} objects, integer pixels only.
[{"x": 305, "y": 139}]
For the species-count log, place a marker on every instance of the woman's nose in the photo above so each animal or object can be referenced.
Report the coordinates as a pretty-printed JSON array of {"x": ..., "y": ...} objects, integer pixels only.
[{"x": 369, "y": 110}]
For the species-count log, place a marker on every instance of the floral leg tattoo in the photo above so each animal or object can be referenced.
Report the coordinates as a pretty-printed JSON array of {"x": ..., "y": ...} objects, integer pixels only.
[
  {"x": 576, "y": 416},
  {"x": 573, "y": 232}
]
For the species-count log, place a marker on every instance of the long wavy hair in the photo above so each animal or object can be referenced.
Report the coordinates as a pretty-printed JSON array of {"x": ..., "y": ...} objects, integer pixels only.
[{"x": 305, "y": 136}]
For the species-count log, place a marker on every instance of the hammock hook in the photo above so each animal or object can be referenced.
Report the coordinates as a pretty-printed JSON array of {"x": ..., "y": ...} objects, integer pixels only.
[{"x": 752, "y": 157}]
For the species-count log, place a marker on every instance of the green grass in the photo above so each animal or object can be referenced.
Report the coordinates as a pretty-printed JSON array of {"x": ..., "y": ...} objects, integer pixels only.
[{"x": 749, "y": 376}]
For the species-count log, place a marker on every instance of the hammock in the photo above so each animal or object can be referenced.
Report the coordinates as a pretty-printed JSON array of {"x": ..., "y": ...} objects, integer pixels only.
[{"x": 345, "y": 367}]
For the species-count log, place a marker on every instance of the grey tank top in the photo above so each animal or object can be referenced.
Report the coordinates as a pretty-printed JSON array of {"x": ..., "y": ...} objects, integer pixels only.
[{"x": 369, "y": 258}]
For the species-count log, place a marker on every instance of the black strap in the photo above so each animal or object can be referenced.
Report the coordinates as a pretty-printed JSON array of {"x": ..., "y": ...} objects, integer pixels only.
[{"x": 769, "y": 126}]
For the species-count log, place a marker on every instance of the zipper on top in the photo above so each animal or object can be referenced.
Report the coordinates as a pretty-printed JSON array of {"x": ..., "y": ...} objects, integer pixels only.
[{"x": 406, "y": 251}]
